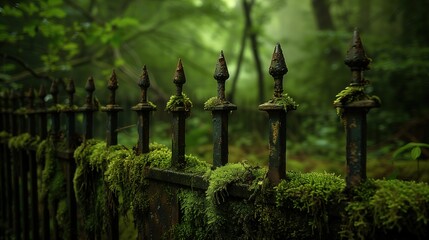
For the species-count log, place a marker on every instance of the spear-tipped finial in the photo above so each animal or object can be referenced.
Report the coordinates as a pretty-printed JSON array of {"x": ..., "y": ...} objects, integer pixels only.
[
  {"x": 221, "y": 75},
  {"x": 277, "y": 69},
  {"x": 30, "y": 97},
  {"x": 90, "y": 88},
  {"x": 144, "y": 84},
  {"x": 112, "y": 85},
  {"x": 278, "y": 66},
  {"x": 221, "y": 72},
  {"x": 70, "y": 89},
  {"x": 54, "y": 91},
  {"x": 41, "y": 95},
  {"x": 356, "y": 58},
  {"x": 179, "y": 78}
]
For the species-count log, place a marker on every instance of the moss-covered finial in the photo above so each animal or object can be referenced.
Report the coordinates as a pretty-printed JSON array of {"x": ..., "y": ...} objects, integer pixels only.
[
  {"x": 54, "y": 91},
  {"x": 90, "y": 88},
  {"x": 112, "y": 85},
  {"x": 221, "y": 75},
  {"x": 179, "y": 78},
  {"x": 356, "y": 57},
  {"x": 70, "y": 89},
  {"x": 144, "y": 84},
  {"x": 277, "y": 69}
]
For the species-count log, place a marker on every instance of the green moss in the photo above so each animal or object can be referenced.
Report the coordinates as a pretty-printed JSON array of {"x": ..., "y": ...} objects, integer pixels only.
[
  {"x": 179, "y": 101},
  {"x": 352, "y": 94},
  {"x": 23, "y": 141},
  {"x": 63, "y": 108},
  {"x": 4, "y": 135},
  {"x": 212, "y": 102},
  {"x": 286, "y": 101},
  {"x": 387, "y": 206}
]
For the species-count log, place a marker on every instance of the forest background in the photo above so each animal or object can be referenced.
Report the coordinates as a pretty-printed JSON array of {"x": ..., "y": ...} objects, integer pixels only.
[{"x": 43, "y": 40}]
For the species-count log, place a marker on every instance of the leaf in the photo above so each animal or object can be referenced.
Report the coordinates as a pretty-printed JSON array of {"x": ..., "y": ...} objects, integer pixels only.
[{"x": 416, "y": 152}]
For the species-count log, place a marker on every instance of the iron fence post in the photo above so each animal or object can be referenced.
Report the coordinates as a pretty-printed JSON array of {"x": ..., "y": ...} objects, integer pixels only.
[
  {"x": 220, "y": 112},
  {"x": 277, "y": 109},
  {"x": 3, "y": 199},
  {"x": 34, "y": 198},
  {"x": 180, "y": 112},
  {"x": 70, "y": 112},
  {"x": 143, "y": 110},
  {"x": 43, "y": 132},
  {"x": 88, "y": 110},
  {"x": 112, "y": 110},
  {"x": 22, "y": 114},
  {"x": 55, "y": 115},
  {"x": 15, "y": 167},
  {"x": 354, "y": 114}
]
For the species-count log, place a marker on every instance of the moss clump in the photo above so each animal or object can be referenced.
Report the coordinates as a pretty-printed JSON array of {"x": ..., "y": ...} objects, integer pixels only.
[
  {"x": 286, "y": 101},
  {"x": 4, "y": 135},
  {"x": 179, "y": 101},
  {"x": 212, "y": 102},
  {"x": 63, "y": 108},
  {"x": 352, "y": 94},
  {"x": 23, "y": 141},
  {"x": 380, "y": 206}
]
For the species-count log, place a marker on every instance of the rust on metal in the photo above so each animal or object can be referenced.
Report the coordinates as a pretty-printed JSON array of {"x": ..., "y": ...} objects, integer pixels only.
[
  {"x": 143, "y": 109},
  {"x": 88, "y": 109},
  {"x": 276, "y": 120},
  {"x": 356, "y": 59},
  {"x": 112, "y": 110},
  {"x": 179, "y": 78},
  {"x": 220, "y": 113}
]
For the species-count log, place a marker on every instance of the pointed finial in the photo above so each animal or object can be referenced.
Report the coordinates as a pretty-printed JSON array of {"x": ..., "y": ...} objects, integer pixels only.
[
  {"x": 221, "y": 75},
  {"x": 277, "y": 69},
  {"x": 54, "y": 91},
  {"x": 221, "y": 72},
  {"x": 356, "y": 58},
  {"x": 70, "y": 89},
  {"x": 278, "y": 66},
  {"x": 113, "y": 81},
  {"x": 90, "y": 88},
  {"x": 112, "y": 85},
  {"x": 144, "y": 84},
  {"x": 41, "y": 95},
  {"x": 30, "y": 97},
  {"x": 179, "y": 78}
]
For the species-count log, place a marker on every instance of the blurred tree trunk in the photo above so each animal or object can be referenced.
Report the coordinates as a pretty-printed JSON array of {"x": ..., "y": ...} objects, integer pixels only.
[{"x": 250, "y": 33}]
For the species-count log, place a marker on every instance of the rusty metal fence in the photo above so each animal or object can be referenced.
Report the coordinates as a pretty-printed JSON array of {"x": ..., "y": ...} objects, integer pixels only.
[{"x": 25, "y": 215}]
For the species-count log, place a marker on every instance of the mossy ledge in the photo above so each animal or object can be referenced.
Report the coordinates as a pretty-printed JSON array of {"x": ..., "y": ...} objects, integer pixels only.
[
  {"x": 352, "y": 94},
  {"x": 213, "y": 102},
  {"x": 286, "y": 101},
  {"x": 303, "y": 206}
]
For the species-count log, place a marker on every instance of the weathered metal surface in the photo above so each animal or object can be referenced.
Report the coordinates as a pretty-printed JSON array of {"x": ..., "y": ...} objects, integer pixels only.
[
  {"x": 220, "y": 115},
  {"x": 112, "y": 110},
  {"x": 276, "y": 120},
  {"x": 88, "y": 110},
  {"x": 180, "y": 114},
  {"x": 354, "y": 115},
  {"x": 55, "y": 115},
  {"x": 34, "y": 198},
  {"x": 43, "y": 133},
  {"x": 143, "y": 110}
]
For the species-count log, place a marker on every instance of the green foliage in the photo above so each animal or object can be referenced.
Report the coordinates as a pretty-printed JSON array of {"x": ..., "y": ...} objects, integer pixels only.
[
  {"x": 5, "y": 135},
  {"x": 62, "y": 108},
  {"x": 349, "y": 95},
  {"x": 413, "y": 148},
  {"x": 179, "y": 101}
]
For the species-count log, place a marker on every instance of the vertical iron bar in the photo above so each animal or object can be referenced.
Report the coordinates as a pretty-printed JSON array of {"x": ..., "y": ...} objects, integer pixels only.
[
  {"x": 24, "y": 172},
  {"x": 3, "y": 198},
  {"x": 354, "y": 114},
  {"x": 8, "y": 164},
  {"x": 88, "y": 110},
  {"x": 43, "y": 132},
  {"x": 220, "y": 109},
  {"x": 143, "y": 109},
  {"x": 277, "y": 108},
  {"x": 180, "y": 112},
  {"x": 70, "y": 164},
  {"x": 34, "y": 198},
  {"x": 15, "y": 168},
  {"x": 112, "y": 110}
]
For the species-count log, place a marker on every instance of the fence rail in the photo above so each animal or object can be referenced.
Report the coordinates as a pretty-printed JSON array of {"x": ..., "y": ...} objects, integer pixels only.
[{"x": 22, "y": 207}]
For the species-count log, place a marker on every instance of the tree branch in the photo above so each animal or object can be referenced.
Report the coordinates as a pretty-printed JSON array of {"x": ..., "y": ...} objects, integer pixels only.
[{"x": 29, "y": 70}]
